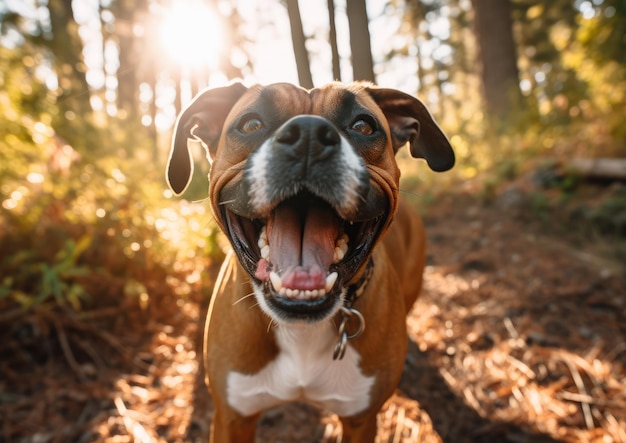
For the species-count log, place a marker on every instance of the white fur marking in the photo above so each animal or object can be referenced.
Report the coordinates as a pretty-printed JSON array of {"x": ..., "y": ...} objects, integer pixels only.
[
  {"x": 260, "y": 167},
  {"x": 304, "y": 371},
  {"x": 353, "y": 169}
]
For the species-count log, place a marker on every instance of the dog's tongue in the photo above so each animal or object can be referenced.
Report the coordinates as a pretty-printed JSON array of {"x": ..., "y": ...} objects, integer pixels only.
[{"x": 302, "y": 244}]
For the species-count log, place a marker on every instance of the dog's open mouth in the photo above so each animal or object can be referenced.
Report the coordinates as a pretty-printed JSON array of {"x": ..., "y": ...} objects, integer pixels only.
[{"x": 303, "y": 254}]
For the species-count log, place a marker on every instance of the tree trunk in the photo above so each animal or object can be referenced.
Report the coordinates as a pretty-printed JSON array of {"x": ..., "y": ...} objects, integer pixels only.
[
  {"x": 299, "y": 45},
  {"x": 332, "y": 38},
  {"x": 362, "y": 63},
  {"x": 127, "y": 82},
  {"x": 152, "y": 129},
  {"x": 74, "y": 94},
  {"x": 497, "y": 56}
]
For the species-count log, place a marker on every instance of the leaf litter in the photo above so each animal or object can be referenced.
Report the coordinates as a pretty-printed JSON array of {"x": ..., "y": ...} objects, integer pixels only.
[{"x": 518, "y": 336}]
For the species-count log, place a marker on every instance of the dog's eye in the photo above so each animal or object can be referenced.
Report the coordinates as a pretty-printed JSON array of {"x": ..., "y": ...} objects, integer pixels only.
[
  {"x": 364, "y": 125},
  {"x": 250, "y": 124}
]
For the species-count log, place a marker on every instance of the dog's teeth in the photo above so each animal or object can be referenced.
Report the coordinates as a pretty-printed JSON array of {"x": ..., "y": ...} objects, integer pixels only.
[
  {"x": 308, "y": 294},
  {"x": 262, "y": 238},
  {"x": 341, "y": 248},
  {"x": 339, "y": 254},
  {"x": 343, "y": 240},
  {"x": 265, "y": 251},
  {"x": 276, "y": 281},
  {"x": 330, "y": 281}
]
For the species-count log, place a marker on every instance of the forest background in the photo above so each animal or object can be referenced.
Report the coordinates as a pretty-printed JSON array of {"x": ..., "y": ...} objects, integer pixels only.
[{"x": 532, "y": 95}]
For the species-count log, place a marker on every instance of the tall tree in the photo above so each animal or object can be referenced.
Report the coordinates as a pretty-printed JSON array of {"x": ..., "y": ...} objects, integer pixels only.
[
  {"x": 299, "y": 45},
  {"x": 127, "y": 84},
  {"x": 362, "y": 62},
  {"x": 497, "y": 56},
  {"x": 332, "y": 38},
  {"x": 232, "y": 39},
  {"x": 73, "y": 98}
]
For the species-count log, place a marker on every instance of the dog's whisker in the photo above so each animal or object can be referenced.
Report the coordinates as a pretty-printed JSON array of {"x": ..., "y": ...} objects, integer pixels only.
[
  {"x": 243, "y": 298},
  {"x": 271, "y": 324},
  {"x": 201, "y": 201},
  {"x": 226, "y": 202},
  {"x": 414, "y": 194}
]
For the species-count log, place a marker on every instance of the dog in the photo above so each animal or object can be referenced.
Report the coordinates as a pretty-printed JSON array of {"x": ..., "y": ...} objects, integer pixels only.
[{"x": 311, "y": 303}]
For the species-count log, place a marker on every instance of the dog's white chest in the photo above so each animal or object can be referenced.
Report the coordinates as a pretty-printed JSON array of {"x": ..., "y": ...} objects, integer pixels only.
[{"x": 304, "y": 371}]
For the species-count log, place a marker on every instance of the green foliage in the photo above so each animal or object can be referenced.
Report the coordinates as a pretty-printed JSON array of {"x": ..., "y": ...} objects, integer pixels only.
[
  {"x": 607, "y": 215},
  {"x": 540, "y": 205},
  {"x": 604, "y": 39},
  {"x": 72, "y": 217},
  {"x": 54, "y": 281},
  {"x": 62, "y": 229}
]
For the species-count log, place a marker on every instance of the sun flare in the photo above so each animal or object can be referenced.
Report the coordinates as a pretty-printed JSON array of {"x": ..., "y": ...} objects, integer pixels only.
[{"x": 190, "y": 35}]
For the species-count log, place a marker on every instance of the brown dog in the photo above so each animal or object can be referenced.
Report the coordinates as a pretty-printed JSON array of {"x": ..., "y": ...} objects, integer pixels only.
[{"x": 311, "y": 305}]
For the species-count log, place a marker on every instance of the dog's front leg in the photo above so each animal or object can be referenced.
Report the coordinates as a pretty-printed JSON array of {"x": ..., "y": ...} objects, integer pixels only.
[{"x": 230, "y": 427}]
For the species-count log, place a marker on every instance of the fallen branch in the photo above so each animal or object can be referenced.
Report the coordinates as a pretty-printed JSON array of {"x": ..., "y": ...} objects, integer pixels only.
[
  {"x": 603, "y": 168},
  {"x": 134, "y": 428},
  {"x": 580, "y": 385},
  {"x": 66, "y": 348}
]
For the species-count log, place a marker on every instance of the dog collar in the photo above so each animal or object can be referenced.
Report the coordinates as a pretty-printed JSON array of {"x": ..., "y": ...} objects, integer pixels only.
[
  {"x": 357, "y": 289},
  {"x": 353, "y": 292}
]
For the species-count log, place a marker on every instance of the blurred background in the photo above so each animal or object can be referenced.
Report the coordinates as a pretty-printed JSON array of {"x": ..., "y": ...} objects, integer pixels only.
[{"x": 105, "y": 275}]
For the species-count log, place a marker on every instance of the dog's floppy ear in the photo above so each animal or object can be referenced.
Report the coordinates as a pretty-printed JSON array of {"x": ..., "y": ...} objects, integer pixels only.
[
  {"x": 202, "y": 120},
  {"x": 410, "y": 121}
]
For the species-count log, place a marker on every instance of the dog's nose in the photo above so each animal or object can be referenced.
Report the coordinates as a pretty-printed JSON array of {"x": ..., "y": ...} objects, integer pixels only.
[{"x": 308, "y": 136}]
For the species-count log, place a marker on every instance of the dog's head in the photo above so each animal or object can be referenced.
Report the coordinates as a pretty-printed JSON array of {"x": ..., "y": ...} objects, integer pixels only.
[{"x": 304, "y": 183}]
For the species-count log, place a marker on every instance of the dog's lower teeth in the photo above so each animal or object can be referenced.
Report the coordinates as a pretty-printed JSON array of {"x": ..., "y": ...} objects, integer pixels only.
[
  {"x": 330, "y": 281},
  {"x": 308, "y": 294},
  {"x": 276, "y": 282}
]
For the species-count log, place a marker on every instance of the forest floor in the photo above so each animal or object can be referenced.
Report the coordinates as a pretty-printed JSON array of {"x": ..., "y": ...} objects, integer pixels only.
[{"x": 518, "y": 336}]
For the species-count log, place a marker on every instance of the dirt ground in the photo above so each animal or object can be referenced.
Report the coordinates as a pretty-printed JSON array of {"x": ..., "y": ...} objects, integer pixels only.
[{"x": 518, "y": 336}]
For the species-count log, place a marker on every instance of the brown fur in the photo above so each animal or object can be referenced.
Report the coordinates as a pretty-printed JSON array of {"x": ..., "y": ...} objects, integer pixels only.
[{"x": 238, "y": 335}]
